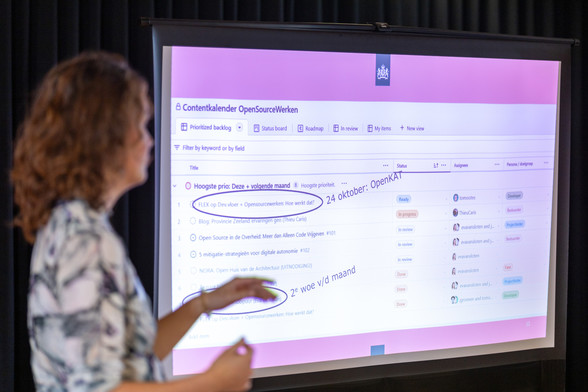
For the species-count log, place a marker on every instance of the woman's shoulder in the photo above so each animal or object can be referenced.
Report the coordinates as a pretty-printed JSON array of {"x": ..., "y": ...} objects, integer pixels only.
[
  {"x": 76, "y": 218},
  {"x": 77, "y": 215},
  {"x": 75, "y": 231}
]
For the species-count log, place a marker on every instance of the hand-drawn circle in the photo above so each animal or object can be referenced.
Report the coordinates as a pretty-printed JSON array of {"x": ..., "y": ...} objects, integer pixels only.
[
  {"x": 221, "y": 313},
  {"x": 269, "y": 216}
]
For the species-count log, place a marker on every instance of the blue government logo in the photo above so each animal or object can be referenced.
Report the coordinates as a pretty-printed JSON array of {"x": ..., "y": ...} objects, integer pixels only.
[
  {"x": 383, "y": 70},
  {"x": 383, "y": 73}
]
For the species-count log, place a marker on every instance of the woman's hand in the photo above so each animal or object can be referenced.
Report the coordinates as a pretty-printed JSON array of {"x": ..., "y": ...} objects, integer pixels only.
[
  {"x": 230, "y": 372},
  {"x": 232, "y": 369},
  {"x": 235, "y": 290}
]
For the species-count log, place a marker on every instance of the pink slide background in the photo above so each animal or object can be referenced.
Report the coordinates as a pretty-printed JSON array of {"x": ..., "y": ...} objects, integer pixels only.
[{"x": 322, "y": 76}]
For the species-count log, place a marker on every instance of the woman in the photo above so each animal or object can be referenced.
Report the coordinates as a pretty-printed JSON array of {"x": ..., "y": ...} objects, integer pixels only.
[{"x": 81, "y": 147}]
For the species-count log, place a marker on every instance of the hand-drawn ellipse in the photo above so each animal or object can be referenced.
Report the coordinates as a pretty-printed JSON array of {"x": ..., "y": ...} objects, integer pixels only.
[
  {"x": 247, "y": 305},
  {"x": 258, "y": 203}
]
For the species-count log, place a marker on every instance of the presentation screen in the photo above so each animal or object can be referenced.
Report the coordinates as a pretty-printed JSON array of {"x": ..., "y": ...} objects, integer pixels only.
[{"x": 404, "y": 206}]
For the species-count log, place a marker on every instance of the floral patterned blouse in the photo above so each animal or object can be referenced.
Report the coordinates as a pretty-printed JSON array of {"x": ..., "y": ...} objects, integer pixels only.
[{"x": 89, "y": 318}]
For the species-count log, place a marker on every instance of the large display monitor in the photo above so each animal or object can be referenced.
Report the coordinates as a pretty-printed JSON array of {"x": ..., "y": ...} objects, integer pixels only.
[{"x": 406, "y": 190}]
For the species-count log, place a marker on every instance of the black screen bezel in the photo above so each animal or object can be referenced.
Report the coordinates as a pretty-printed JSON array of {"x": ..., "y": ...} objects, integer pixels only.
[{"x": 382, "y": 38}]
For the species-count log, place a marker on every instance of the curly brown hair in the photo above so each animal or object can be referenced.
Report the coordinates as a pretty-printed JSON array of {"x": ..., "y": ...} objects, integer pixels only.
[{"x": 74, "y": 130}]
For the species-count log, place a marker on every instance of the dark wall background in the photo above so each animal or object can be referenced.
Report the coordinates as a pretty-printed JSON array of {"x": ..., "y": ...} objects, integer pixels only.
[{"x": 36, "y": 34}]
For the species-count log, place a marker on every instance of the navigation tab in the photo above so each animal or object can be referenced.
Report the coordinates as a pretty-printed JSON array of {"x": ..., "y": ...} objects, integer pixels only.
[
  {"x": 208, "y": 127},
  {"x": 346, "y": 128},
  {"x": 378, "y": 128},
  {"x": 312, "y": 129},
  {"x": 268, "y": 129}
]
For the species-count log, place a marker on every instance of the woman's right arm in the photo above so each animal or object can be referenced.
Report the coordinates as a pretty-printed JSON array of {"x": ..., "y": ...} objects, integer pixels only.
[
  {"x": 230, "y": 372},
  {"x": 174, "y": 326}
]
